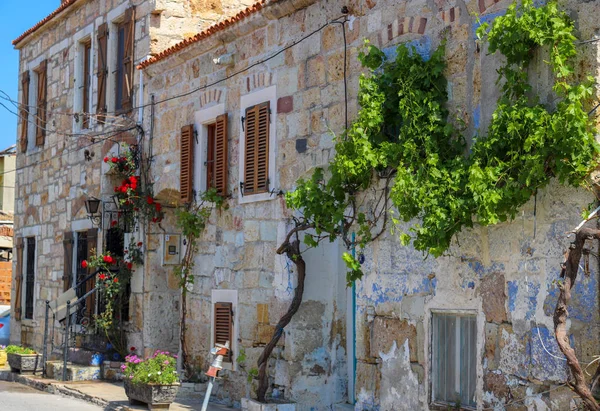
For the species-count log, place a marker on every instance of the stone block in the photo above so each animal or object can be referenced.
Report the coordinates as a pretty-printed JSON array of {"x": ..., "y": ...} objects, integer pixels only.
[
  {"x": 262, "y": 313},
  {"x": 268, "y": 231},
  {"x": 285, "y": 105},
  {"x": 384, "y": 331},
  {"x": 264, "y": 333},
  {"x": 251, "y": 231},
  {"x": 315, "y": 72},
  {"x": 493, "y": 296}
]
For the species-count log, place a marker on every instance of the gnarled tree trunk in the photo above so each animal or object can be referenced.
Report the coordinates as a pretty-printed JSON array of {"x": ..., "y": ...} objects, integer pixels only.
[{"x": 569, "y": 273}]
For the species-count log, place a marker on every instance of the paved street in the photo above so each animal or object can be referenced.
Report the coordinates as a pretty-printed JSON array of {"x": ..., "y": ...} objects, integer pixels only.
[{"x": 18, "y": 397}]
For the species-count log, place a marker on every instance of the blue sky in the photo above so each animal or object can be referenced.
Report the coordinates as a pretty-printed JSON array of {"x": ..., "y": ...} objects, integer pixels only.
[{"x": 15, "y": 18}]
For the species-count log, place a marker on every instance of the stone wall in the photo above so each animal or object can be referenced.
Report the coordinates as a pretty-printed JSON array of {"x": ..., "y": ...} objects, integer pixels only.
[
  {"x": 504, "y": 274},
  {"x": 53, "y": 181}
]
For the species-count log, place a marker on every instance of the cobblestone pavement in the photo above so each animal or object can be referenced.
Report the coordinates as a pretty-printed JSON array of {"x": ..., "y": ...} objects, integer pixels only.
[{"x": 18, "y": 397}]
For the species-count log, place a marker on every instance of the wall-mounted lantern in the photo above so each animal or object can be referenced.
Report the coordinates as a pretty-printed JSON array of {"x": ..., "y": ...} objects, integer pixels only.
[{"x": 92, "y": 205}]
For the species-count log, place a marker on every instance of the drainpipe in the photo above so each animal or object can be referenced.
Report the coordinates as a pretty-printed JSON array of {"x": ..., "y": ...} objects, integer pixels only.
[{"x": 351, "y": 395}]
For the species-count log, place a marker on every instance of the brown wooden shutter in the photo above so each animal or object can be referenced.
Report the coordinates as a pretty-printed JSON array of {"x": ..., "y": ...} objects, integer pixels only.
[
  {"x": 19, "y": 279},
  {"x": 129, "y": 30},
  {"x": 92, "y": 243},
  {"x": 186, "y": 182},
  {"x": 221, "y": 162},
  {"x": 24, "y": 112},
  {"x": 68, "y": 260},
  {"x": 223, "y": 326},
  {"x": 256, "y": 164},
  {"x": 102, "y": 74},
  {"x": 42, "y": 94}
]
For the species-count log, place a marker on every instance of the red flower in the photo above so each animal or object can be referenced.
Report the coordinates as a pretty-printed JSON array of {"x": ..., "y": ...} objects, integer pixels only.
[
  {"x": 158, "y": 207},
  {"x": 136, "y": 209},
  {"x": 106, "y": 159},
  {"x": 84, "y": 264},
  {"x": 123, "y": 189},
  {"x": 131, "y": 348},
  {"x": 114, "y": 159},
  {"x": 129, "y": 266},
  {"x": 154, "y": 219},
  {"x": 150, "y": 200},
  {"x": 115, "y": 280},
  {"x": 102, "y": 276},
  {"x": 133, "y": 179},
  {"x": 140, "y": 244},
  {"x": 113, "y": 223},
  {"x": 108, "y": 259}
]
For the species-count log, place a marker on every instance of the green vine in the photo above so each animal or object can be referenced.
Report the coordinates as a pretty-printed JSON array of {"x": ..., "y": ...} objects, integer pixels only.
[{"x": 404, "y": 148}]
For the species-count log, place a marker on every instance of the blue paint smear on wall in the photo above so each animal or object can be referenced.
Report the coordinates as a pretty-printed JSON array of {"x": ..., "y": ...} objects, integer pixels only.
[
  {"x": 422, "y": 46},
  {"x": 481, "y": 270},
  {"x": 546, "y": 359},
  {"x": 513, "y": 289},
  {"x": 583, "y": 296},
  {"x": 382, "y": 293}
]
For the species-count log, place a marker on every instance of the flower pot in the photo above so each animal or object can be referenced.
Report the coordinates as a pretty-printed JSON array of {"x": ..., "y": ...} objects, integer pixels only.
[
  {"x": 2, "y": 358},
  {"x": 156, "y": 396},
  {"x": 25, "y": 363}
]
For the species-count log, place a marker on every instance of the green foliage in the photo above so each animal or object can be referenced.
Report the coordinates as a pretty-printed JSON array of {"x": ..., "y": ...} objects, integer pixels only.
[
  {"x": 15, "y": 349},
  {"x": 161, "y": 368},
  {"x": 402, "y": 130}
]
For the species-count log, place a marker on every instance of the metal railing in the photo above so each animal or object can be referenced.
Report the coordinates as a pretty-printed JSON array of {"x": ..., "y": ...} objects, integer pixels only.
[{"x": 69, "y": 307}]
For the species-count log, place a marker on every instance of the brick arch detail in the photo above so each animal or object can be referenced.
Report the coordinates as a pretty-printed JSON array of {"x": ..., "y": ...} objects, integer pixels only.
[
  {"x": 32, "y": 212},
  {"x": 125, "y": 137},
  {"x": 76, "y": 205}
]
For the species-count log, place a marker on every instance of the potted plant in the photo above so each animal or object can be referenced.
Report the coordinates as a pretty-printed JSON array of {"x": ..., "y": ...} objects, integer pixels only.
[
  {"x": 153, "y": 381},
  {"x": 23, "y": 360},
  {"x": 2, "y": 355}
]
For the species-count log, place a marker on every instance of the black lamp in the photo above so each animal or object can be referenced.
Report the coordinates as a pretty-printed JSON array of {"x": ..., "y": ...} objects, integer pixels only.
[{"x": 92, "y": 204}]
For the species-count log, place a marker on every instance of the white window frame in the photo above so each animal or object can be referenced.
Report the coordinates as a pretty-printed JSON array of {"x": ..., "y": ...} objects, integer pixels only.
[
  {"x": 82, "y": 37},
  {"x": 226, "y": 296},
  {"x": 26, "y": 233},
  {"x": 260, "y": 96},
  {"x": 433, "y": 352},
  {"x": 114, "y": 19},
  {"x": 77, "y": 227},
  {"x": 202, "y": 119},
  {"x": 32, "y": 113}
]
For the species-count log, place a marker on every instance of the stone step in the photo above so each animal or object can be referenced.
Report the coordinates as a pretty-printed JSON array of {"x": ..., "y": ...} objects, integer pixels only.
[{"x": 75, "y": 372}]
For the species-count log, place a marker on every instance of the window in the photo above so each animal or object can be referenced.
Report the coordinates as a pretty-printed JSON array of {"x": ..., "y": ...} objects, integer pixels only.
[
  {"x": 258, "y": 149},
  {"x": 123, "y": 61},
  {"x": 454, "y": 351},
  {"x": 86, "y": 84},
  {"x": 102, "y": 73},
  {"x": 42, "y": 93},
  {"x": 29, "y": 277},
  {"x": 24, "y": 110},
  {"x": 224, "y": 326},
  {"x": 210, "y": 159}
]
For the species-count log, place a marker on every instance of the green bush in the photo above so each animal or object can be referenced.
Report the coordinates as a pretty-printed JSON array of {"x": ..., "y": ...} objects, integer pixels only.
[
  {"x": 15, "y": 349},
  {"x": 161, "y": 369}
]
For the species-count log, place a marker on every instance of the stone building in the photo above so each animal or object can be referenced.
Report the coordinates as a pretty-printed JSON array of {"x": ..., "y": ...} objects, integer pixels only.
[
  {"x": 77, "y": 90},
  {"x": 378, "y": 346}
]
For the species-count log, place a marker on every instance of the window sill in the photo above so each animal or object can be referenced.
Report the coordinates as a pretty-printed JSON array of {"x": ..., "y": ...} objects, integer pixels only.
[{"x": 254, "y": 198}]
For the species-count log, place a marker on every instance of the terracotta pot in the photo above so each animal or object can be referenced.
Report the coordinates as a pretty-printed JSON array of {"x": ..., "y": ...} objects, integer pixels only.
[
  {"x": 156, "y": 396},
  {"x": 25, "y": 363}
]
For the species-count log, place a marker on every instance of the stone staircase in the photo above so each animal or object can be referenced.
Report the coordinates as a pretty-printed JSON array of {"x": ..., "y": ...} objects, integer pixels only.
[{"x": 78, "y": 368}]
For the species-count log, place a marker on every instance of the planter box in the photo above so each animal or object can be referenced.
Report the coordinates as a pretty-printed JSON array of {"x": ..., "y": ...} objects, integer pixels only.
[
  {"x": 157, "y": 397},
  {"x": 25, "y": 363},
  {"x": 273, "y": 405},
  {"x": 3, "y": 358}
]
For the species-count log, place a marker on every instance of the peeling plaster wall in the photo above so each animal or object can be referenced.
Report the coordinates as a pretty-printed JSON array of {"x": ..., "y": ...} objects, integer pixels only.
[{"x": 503, "y": 274}]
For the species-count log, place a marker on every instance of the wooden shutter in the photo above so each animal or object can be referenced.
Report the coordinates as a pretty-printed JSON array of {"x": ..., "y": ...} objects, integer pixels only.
[
  {"x": 256, "y": 157},
  {"x": 129, "y": 30},
  {"x": 42, "y": 94},
  {"x": 19, "y": 279},
  {"x": 223, "y": 326},
  {"x": 68, "y": 260},
  {"x": 221, "y": 162},
  {"x": 24, "y": 112},
  {"x": 92, "y": 243},
  {"x": 186, "y": 182},
  {"x": 102, "y": 74}
]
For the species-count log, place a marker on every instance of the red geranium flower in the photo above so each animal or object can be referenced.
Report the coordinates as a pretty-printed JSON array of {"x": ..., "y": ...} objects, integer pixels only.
[
  {"x": 106, "y": 159},
  {"x": 114, "y": 159},
  {"x": 102, "y": 276},
  {"x": 108, "y": 259},
  {"x": 150, "y": 200},
  {"x": 84, "y": 264},
  {"x": 113, "y": 223},
  {"x": 131, "y": 348},
  {"x": 154, "y": 219},
  {"x": 116, "y": 280},
  {"x": 129, "y": 266},
  {"x": 140, "y": 244},
  {"x": 158, "y": 207}
]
